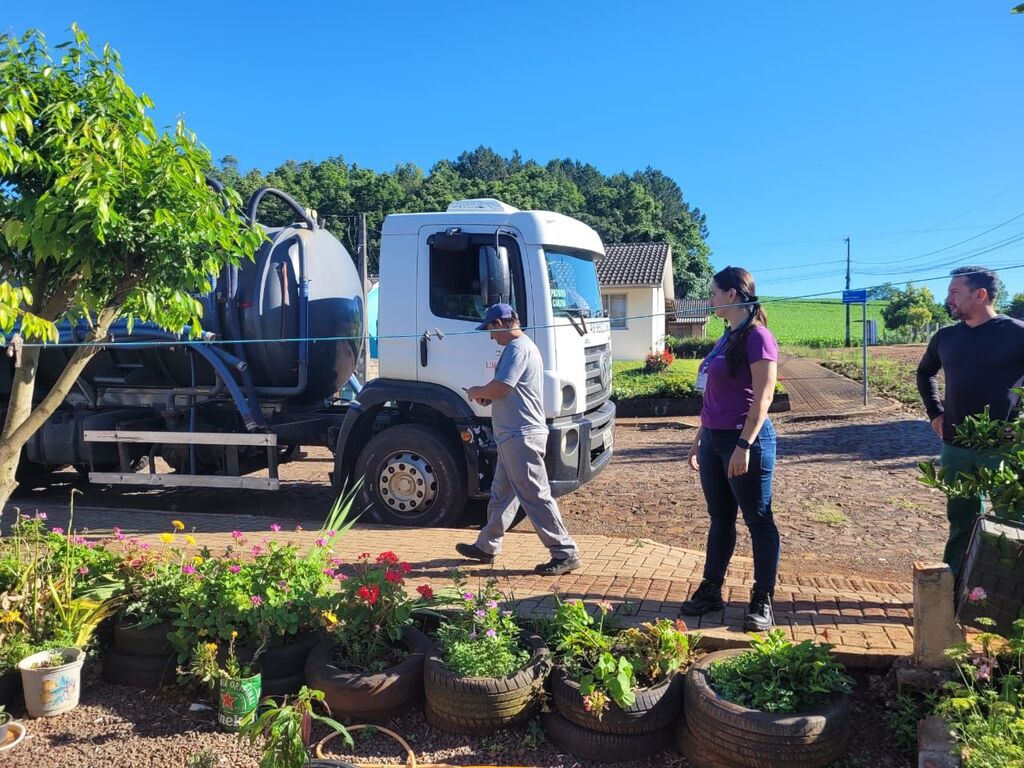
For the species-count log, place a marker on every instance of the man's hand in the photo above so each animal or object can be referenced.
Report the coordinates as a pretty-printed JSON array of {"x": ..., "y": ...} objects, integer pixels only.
[
  {"x": 473, "y": 393},
  {"x": 937, "y": 424}
]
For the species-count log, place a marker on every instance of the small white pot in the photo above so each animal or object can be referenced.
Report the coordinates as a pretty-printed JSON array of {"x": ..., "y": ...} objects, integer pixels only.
[{"x": 53, "y": 690}]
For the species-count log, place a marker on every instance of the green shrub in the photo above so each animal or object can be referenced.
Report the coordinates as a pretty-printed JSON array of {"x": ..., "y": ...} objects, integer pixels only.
[
  {"x": 630, "y": 380},
  {"x": 777, "y": 675}
]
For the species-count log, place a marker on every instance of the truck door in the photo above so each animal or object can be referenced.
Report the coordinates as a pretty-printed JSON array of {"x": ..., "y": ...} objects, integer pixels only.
[{"x": 452, "y": 301}]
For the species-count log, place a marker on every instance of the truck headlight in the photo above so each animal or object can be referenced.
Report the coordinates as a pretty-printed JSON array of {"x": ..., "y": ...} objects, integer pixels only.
[{"x": 568, "y": 398}]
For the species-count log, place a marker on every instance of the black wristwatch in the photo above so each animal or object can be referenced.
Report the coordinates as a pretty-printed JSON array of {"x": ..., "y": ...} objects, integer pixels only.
[{"x": 744, "y": 444}]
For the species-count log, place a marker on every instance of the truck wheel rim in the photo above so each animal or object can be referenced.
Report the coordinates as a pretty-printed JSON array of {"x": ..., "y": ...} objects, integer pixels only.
[{"x": 407, "y": 482}]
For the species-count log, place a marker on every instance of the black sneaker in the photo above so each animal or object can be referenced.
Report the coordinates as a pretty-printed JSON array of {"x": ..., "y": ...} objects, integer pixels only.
[
  {"x": 556, "y": 567},
  {"x": 759, "y": 616},
  {"x": 707, "y": 598},
  {"x": 473, "y": 552}
]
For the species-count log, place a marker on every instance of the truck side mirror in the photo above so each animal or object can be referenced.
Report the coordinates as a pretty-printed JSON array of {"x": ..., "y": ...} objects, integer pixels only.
[{"x": 495, "y": 285}]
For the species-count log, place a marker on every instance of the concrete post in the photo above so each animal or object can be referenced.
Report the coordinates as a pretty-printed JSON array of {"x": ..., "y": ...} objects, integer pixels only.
[{"x": 935, "y": 627}]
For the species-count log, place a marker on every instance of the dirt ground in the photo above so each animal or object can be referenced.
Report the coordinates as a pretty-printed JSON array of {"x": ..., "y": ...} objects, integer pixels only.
[{"x": 846, "y": 496}]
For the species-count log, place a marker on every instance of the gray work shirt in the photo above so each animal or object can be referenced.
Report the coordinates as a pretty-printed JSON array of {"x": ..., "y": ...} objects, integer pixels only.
[{"x": 522, "y": 409}]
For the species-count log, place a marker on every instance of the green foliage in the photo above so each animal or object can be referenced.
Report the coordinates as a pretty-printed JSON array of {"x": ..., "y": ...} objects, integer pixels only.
[
  {"x": 99, "y": 211},
  {"x": 913, "y": 307},
  {"x": 204, "y": 664},
  {"x": 482, "y": 640},
  {"x": 985, "y": 707},
  {"x": 777, "y": 675},
  {"x": 1016, "y": 306},
  {"x": 902, "y": 717},
  {"x": 1004, "y": 485},
  {"x": 284, "y": 729},
  {"x": 644, "y": 206},
  {"x": 630, "y": 379},
  {"x": 612, "y": 666}
]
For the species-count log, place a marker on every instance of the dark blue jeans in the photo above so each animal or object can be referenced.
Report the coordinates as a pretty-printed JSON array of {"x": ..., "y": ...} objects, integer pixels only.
[{"x": 751, "y": 493}]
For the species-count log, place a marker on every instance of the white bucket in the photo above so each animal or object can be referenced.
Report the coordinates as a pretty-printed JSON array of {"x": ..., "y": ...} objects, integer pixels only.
[{"x": 53, "y": 690}]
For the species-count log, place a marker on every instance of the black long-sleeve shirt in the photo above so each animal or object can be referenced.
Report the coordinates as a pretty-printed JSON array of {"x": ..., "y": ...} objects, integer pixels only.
[{"x": 981, "y": 365}]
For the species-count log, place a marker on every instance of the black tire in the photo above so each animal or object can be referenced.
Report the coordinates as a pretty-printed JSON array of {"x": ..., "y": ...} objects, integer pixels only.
[
  {"x": 139, "y": 671},
  {"x": 282, "y": 686},
  {"x": 287, "y": 660},
  {"x": 604, "y": 747},
  {"x": 655, "y": 708},
  {"x": 746, "y": 737},
  {"x": 431, "y": 470},
  {"x": 10, "y": 689},
  {"x": 694, "y": 751},
  {"x": 375, "y": 697},
  {"x": 480, "y": 705},
  {"x": 132, "y": 640}
]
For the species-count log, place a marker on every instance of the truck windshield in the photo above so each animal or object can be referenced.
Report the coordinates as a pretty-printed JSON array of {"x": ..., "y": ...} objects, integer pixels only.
[{"x": 573, "y": 279}]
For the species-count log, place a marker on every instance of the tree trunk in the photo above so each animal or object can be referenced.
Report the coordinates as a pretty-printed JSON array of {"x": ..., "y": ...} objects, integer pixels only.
[{"x": 22, "y": 419}]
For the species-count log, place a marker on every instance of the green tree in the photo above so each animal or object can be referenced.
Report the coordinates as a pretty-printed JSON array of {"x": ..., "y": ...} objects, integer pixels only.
[
  {"x": 1016, "y": 306},
  {"x": 101, "y": 217},
  {"x": 912, "y": 307}
]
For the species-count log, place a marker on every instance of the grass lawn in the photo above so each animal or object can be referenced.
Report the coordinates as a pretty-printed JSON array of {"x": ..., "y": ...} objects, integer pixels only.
[{"x": 629, "y": 380}]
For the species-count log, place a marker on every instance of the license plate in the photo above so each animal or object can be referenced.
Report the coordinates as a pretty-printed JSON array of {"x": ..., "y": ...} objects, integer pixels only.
[{"x": 609, "y": 439}]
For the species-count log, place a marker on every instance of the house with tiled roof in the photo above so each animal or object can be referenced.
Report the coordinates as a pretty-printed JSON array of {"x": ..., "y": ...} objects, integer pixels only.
[{"x": 636, "y": 283}]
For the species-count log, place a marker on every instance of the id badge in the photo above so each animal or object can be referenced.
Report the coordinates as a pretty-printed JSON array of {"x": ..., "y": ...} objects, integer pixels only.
[{"x": 702, "y": 381}]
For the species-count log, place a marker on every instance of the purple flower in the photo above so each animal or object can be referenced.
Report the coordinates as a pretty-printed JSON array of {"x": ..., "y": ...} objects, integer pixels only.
[
  {"x": 234, "y": 568},
  {"x": 507, "y": 614},
  {"x": 479, "y": 613},
  {"x": 472, "y": 635},
  {"x": 492, "y": 604},
  {"x": 468, "y": 596},
  {"x": 59, "y": 531},
  {"x": 256, "y": 600},
  {"x": 236, "y": 535},
  {"x": 188, "y": 569},
  {"x": 977, "y": 595},
  {"x": 491, "y": 633},
  {"x": 329, "y": 572},
  {"x": 321, "y": 542},
  {"x": 275, "y": 527},
  {"x": 40, "y": 515}
]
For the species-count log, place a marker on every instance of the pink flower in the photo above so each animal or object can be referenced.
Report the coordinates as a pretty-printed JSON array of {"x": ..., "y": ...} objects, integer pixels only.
[
  {"x": 341, "y": 577},
  {"x": 275, "y": 527},
  {"x": 144, "y": 545},
  {"x": 468, "y": 596},
  {"x": 321, "y": 542},
  {"x": 491, "y": 633},
  {"x": 234, "y": 568},
  {"x": 331, "y": 534},
  {"x": 256, "y": 600},
  {"x": 236, "y": 535},
  {"x": 977, "y": 595},
  {"x": 491, "y": 604},
  {"x": 329, "y": 572},
  {"x": 59, "y": 531},
  {"x": 336, "y": 561},
  {"x": 40, "y": 515},
  {"x": 188, "y": 569},
  {"x": 604, "y": 606},
  {"x": 257, "y": 551},
  {"x": 480, "y": 613},
  {"x": 83, "y": 570}
]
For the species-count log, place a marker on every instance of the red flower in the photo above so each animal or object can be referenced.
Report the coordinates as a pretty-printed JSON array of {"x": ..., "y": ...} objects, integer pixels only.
[
  {"x": 425, "y": 590},
  {"x": 405, "y": 567},
  {"x": 394, "y": 577},
  {"x": 369, "y": 593},
  {"x": 389, "y": 558},
  {"x": 364, "y": 556}
]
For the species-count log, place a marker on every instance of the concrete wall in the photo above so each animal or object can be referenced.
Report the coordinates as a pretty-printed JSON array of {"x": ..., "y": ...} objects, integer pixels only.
[{"x": 641, "y": 334}]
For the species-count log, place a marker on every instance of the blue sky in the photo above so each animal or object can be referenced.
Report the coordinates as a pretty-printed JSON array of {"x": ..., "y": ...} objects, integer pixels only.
[{"x": 791, "y": 125}]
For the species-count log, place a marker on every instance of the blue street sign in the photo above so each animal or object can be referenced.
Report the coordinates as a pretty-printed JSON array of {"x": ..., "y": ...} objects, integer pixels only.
[{"x": 855, "y": 297}]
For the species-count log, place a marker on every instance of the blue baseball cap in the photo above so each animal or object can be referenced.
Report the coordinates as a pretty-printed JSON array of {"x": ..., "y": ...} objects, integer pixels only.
[{"x": 496, "y": 312}]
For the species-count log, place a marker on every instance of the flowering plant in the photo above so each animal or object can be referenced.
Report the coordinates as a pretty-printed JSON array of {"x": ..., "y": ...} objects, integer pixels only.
[
  {"x": 985, "y": 707},
  {"x": 371, "y": 611},
  {"x": 205, "y": 665},
  {"x": 655, "y": 362},
  {"x": 483, "y": 639},
  {"x": 611, "y": 666}
]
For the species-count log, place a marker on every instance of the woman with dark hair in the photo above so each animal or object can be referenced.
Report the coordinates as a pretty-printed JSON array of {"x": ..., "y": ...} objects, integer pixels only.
[{"x": 734, "y": 450}]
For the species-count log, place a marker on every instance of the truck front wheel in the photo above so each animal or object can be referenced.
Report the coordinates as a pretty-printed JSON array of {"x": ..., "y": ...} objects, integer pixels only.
[{"x": 411, "y": 477}]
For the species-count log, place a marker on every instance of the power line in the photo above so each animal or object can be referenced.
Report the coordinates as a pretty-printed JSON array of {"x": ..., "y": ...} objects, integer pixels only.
[{"x": 948, "y": 247}]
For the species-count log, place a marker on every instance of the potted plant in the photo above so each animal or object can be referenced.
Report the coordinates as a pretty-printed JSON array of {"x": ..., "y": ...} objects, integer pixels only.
[
  {"x": 776, "y": 703},
  {"x": 371, "y": 665},
  {"x": 615, "y": 695},
  {"x": 995, "y": 554},
  {"x": 484, "y": 673},
  {"x": 284, "y": 730},
  {"x": 234, "y": 686},
  {"x": 984, "y": 707}
]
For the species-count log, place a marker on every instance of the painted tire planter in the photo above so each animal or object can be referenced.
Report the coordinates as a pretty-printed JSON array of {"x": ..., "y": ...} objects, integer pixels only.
[
  {"x": 478, "y": 705},
  {"x": 10, "y": 688},
  {"x": 735, "y": 735},
  {"x": 53, "y": 690},
  {"x": 603, "y": 747},
  {"x": 370, "y": 697},
  {"x": 656, "y": 708},
  {"x": 236, "y": 698},
  {"x": 142, "y": 657}
]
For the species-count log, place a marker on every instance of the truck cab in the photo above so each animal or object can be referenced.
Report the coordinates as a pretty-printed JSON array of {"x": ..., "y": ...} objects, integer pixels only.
[{"x": 438, "y": 274}]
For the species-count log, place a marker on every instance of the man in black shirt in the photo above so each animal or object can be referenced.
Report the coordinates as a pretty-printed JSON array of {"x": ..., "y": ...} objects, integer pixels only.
[{"x": 982, "y": 360}]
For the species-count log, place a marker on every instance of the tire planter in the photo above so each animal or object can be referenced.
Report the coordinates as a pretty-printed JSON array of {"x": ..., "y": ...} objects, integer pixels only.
[
  {"x": 141, "y": 657},
  {"x": 737, "y": 736},
  {"x": 370, "y": 697},
  {"x": 995, "y": 562},
  {"x": 10, "y": 688},
  {"x": 284, "y": 666},
  {"x": 603, "y": 747},
  {"x": 656, "y": 708},
  {"x": 480, "y": 705}
]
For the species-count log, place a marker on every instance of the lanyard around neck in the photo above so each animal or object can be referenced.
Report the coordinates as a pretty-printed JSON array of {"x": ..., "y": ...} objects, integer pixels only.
[{"x": 720, "y": 344}]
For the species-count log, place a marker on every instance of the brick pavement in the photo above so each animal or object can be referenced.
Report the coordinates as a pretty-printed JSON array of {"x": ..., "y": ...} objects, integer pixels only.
[
  {"x": 815, "y": 390},
  {"x": 869, "y": 621}
]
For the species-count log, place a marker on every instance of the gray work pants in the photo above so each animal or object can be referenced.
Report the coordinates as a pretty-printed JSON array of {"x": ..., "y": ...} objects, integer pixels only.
[{"x": 521, "y": 475}]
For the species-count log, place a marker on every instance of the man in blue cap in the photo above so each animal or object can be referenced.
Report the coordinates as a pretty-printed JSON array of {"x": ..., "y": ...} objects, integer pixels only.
[{"x": 521, "y": 433}]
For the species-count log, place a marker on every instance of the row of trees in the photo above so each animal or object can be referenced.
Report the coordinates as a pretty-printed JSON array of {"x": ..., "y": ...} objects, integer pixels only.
[{"x": 644, "y": 206}]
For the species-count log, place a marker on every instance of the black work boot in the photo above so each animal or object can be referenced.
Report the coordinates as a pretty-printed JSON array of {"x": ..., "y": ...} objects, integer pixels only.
[
  {"x": 556, "y": 567},
  {"x": 707, "y": 598},
  {"x": 473, "y": 552},
  {"x": 759, "y": 616}
]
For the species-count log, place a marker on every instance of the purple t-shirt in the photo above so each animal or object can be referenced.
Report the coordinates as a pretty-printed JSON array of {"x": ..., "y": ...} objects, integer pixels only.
[{"x": 727, "y": 400}]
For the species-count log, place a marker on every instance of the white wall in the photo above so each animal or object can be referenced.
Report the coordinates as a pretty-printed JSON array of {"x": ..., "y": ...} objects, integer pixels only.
[{"x": 641, "y": 334}]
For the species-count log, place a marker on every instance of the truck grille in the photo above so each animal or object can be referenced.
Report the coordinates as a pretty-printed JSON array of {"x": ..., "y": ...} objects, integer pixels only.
[{"x": 598, "y": 362}]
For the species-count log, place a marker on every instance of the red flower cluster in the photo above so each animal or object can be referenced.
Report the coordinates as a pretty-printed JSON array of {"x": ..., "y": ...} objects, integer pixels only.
[
  {"x": 369, "y": 593},
  {"x": 388, "y": 558},
  {"x": 658, "y": 361},
  {"x": 394, "y": 577},
  {"x": 425, "y": 590}
]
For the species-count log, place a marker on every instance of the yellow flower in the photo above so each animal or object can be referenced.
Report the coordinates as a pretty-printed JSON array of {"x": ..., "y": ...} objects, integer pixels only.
[
  {"x": 203, "y": 632},
  {"x": 10, "y": 617},
  {"x": 329, "y": 617},
  {"x": 211, "y": 647},
  {"x": 197, "y": 560},
  {"x": 167, "y": 537},
  {"x": 234, "y": 633},
  {"x": 190, "y": 539},
  {"x": 178, "y": 525}
]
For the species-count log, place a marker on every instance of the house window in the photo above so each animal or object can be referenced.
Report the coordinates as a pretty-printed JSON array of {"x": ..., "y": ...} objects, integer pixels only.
[{"x": 616, "y": 308}]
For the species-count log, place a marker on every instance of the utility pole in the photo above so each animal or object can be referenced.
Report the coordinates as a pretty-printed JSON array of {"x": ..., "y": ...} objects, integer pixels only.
[{"x": 847, "y": 288}]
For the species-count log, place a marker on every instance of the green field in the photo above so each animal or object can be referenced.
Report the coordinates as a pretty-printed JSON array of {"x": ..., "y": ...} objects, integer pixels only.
[{"x": 810, "y": 323}]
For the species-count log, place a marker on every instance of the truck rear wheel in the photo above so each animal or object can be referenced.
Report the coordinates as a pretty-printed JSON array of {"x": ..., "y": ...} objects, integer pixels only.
[{"x": 411, "y": 477}]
